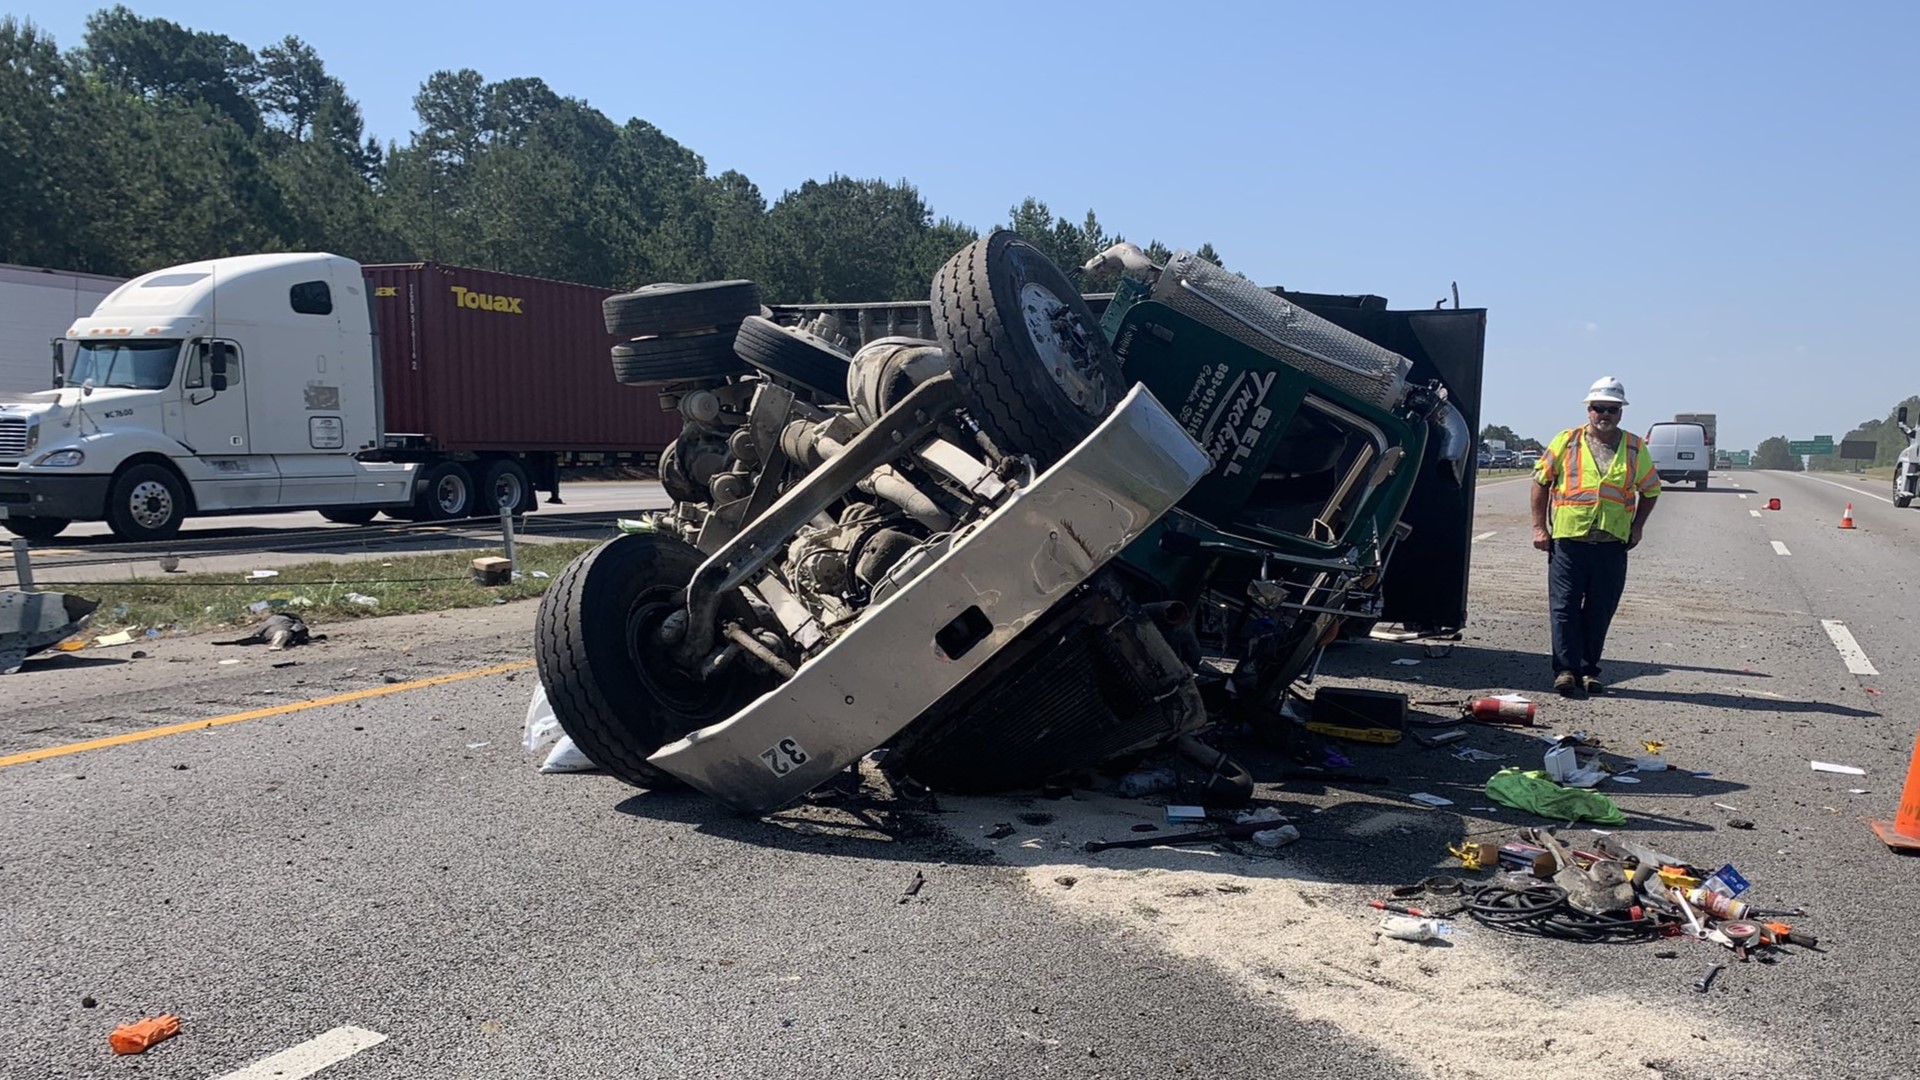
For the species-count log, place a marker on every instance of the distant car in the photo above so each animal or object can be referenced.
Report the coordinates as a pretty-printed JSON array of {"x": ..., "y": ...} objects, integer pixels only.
[
  {"x": 1504, "y": 459},
  {"x": 1528, "y": 458},
  {"x": 1486, "y": 459}
]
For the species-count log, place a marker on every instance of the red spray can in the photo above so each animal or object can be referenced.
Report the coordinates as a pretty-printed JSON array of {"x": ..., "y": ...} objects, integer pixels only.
[{"x": 1496, "y": 711}]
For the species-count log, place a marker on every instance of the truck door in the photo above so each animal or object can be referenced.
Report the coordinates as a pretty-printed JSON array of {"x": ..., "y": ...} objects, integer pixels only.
[
  {"x": 214, "y": 421},
  {"x": 214, "y": 426}
]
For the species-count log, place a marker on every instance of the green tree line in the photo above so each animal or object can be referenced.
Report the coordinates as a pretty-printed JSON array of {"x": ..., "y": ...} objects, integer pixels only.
[
  {"x": 1884, "y": 433},
  {"x": 151, "y": 144}
]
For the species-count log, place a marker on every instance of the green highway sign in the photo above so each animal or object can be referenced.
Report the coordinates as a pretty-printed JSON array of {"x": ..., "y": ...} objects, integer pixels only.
[
  {"x": 1742, "y": 457},
  {"x": 1819, "y": 445}
]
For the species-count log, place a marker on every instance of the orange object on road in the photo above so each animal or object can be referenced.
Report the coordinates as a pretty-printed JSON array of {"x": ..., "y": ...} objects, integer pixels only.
[
  {"x": 1773, "y": 504},
  {"x": 1903, "y": 832},
  {"x": 1846, "y": 517},
  {"x": 136, "y": 1037}
]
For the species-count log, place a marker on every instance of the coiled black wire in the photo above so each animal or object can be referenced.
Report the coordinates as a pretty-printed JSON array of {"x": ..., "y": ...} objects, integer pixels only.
[{"x": 1543, "y": 911}]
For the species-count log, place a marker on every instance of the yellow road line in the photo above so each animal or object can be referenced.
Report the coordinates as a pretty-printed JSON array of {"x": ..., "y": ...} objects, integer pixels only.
[{"x": 256, "y": 714}]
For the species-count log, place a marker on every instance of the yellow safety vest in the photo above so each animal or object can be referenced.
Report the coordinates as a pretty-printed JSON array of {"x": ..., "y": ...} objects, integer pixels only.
[{"x": 1583, "y": 499}]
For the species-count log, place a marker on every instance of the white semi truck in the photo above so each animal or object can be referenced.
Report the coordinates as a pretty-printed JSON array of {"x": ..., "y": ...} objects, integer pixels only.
[{"x": 266, "y": 383}]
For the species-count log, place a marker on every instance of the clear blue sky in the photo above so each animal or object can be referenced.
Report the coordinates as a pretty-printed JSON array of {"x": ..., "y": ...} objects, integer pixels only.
[{"x": 1714, "y": 202}]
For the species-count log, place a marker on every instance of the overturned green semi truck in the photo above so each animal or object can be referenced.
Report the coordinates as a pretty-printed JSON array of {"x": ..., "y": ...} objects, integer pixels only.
[{"x": 1014, "y": 531}]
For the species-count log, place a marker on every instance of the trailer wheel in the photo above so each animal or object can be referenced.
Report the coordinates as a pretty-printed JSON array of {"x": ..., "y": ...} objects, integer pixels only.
[
  {"x": 146, "y": 502},
  {"x": 649, "y": 361},
  {"x": 614, "y": 688},
  {"x": 1025, "y": 348},
  {"x": 350, "y": 515},
  {"x": 446, "y": 493},
  {"x": 36, "y": 529},
  {"x": 667, "y": 308},
  {"x": 505, "y": 483},
  {"x": 793, "y": 355}
]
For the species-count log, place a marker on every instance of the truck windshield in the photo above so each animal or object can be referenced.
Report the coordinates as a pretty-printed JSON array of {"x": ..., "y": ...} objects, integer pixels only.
[{"x": 132, "y": 365}]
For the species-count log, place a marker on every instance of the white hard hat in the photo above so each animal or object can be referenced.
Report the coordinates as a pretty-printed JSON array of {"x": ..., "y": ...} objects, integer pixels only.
[{"x": 1607, "y": 388}]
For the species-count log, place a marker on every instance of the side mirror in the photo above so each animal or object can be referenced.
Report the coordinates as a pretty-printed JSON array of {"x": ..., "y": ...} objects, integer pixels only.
[
  {"x": 219, "y": 382},
  {"x": 1903, "y": 414},
  {"x": 59, "y": 363},
  {"x": 217, "y": 368}
]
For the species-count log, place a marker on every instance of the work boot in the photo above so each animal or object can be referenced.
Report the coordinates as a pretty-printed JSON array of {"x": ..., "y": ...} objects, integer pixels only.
[
  {"x": 1592, "y": 685},
  {"x": 1566, "y": 684}
]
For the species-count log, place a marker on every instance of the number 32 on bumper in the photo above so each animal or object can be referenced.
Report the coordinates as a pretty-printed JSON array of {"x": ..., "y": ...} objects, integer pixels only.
[{"x": 783, "y": 756}]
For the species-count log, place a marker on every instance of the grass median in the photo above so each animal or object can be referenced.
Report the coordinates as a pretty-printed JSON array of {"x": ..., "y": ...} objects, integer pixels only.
[{"x": 318, "y": 592}]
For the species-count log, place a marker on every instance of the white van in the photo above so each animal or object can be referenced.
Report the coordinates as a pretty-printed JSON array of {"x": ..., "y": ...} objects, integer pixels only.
[{"x": 1680, "y": 452}]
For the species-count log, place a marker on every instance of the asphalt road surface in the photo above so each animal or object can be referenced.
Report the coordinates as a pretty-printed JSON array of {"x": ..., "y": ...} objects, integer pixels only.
[{"x": 358, "y": 846}]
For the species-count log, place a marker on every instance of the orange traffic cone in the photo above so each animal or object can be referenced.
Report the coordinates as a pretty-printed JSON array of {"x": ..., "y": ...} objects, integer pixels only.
[
  {"x": 1846, "y": 517},
  {"x": 1903, "y": 832}
]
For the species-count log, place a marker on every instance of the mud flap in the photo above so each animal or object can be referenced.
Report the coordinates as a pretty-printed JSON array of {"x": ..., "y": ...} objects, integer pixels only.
[{"x": 908, "y": 651}]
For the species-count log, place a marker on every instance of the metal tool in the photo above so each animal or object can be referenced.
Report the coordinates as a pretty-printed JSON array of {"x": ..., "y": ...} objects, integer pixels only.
[{"x": 1703, "y": 982}]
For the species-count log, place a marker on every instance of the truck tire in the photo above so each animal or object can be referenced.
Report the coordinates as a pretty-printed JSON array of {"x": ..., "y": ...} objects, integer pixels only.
[
  {"x": 1700, "y": 484},
  {"x": 649, "y": 361},
  {"x": 446, "y": 493},
  {"x": 614, "y": 691},
  {"x": 504, "y": 482},
  {"x": 667, "y": 308},
  {"x": 350, "y": 515},
  {"x": 1901, "y": 500},
  {"x": 679, "y": 484},
  {"x": 146, "y": 502},
  {"x": 1024, "y": 346},
  {"x": 794, "y": 356},
  {"x": 37, "y": 529}
]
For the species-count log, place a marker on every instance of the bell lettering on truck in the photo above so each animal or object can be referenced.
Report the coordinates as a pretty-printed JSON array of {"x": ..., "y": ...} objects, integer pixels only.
[{"x": 468, "y": 298}]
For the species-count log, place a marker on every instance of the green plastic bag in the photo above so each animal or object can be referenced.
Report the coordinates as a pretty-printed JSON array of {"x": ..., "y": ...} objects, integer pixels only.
[{"x": 1537, "y": 793}]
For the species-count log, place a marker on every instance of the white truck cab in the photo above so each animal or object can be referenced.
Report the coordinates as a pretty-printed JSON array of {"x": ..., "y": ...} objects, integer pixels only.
[{"x": 244, "y": 383}]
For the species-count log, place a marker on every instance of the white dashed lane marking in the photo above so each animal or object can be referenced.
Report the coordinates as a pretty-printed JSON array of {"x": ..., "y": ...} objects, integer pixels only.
[
  {"x": 1755, "y": 513},
  {"x": 1780, "y": 548},
  {"x": 1483, "y": 536},
  {"x": 311, "y": 1056},
  {"x": 1850, "y": 650}
]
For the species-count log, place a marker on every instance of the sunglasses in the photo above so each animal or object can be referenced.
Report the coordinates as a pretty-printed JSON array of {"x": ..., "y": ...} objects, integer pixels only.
[{"x": 1605, "y": 410}]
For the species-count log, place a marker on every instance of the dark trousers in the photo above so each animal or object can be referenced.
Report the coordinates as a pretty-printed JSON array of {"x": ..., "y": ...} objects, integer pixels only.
[{"x": 1584, "y": 582}]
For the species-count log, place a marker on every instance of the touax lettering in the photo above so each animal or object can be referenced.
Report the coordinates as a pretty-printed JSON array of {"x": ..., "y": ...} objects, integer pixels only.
[{"x": 487, "y": 301}]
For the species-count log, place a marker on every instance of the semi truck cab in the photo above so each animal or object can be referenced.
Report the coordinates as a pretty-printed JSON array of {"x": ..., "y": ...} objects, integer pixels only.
[{"x": 237, "y": 384}]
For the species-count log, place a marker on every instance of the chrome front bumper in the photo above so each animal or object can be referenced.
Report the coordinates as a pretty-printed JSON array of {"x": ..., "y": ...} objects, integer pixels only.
[{"x": 988, "y": 587}]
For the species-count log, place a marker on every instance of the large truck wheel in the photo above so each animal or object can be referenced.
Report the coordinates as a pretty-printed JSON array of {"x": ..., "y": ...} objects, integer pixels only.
[
  {"x": 653, "y": 361},
  {"x": 350, "y": 515},
  {"x": 36, "y": 529},
  {"x": 146, "y": 502},
  {"x": 1024, "y": 346},
  {"x": 668, "y": 308},
  {"x": 793, "y": 355},
  {"x": 1901, "y": 499},
  {"x": 447, "y": 493},
  {"x": 614, "y": 688},
  {"x": 504, "y": 482}
]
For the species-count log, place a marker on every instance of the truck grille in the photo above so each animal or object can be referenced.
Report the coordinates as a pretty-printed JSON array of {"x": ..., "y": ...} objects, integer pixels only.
[{"x": 13, "y": 436}]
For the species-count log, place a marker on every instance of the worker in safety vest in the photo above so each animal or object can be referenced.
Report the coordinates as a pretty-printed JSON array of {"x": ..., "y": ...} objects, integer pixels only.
[{"x": 1599, "y": 484}]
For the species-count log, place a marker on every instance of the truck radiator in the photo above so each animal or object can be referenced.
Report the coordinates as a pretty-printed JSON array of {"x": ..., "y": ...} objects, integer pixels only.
[
  {"x": 1240, "y": 309},
  {"x": 1089, "y": 682}
]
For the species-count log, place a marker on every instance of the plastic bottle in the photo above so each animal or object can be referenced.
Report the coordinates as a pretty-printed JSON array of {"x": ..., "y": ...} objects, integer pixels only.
[{"x": 1717, "y": 905}]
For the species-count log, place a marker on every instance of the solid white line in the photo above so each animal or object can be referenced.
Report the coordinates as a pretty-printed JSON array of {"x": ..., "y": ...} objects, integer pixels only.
[
  {"x": 1483, "y": 536},
  {"x": 1755, "y": 513},
  {"x": 1850, "y": 488},
  {"x": 1780, "y": 548},
  {"x": 311, "y": 1056},
  {"x": 1743, "y": 496},
  {"x": 1850, "y": 650}
]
